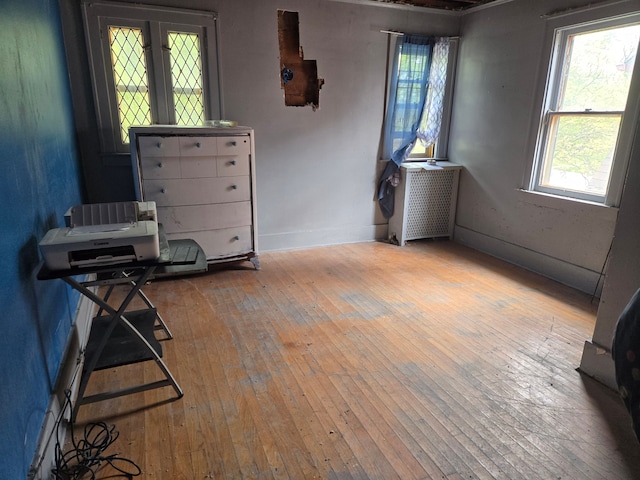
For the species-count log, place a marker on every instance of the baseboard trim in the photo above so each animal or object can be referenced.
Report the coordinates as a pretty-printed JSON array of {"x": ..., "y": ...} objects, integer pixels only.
[
  {"x": 566, "y": 273},
  {"x": 296, "y": 240},
  {"x": 68, "y": 380}
]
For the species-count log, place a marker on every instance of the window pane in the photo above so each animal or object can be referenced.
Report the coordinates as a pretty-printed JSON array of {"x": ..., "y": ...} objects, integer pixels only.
[
  {"x": 411, "y": 72},
  {"x": 422, "y": 150},
  {"x": 130, "y": 78},
  {"x": 579, "y": 152},
  {"x": 598, "y": 69},
  {"x": 186, "y": 77}
]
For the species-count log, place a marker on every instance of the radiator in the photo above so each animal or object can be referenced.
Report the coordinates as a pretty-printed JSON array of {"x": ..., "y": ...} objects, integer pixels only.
[{"x": 425, "y": 202}]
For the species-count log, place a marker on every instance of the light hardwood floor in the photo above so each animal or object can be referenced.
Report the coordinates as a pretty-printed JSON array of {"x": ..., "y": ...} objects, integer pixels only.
[{"x": 371, "y": 361}]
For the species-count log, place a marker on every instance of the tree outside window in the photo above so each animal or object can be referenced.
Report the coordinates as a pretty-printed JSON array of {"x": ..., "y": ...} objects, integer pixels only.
[{"x": 586, "y": 99}]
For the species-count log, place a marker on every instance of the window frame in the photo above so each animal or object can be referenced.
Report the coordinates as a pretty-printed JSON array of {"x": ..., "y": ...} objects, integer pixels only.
[
  {"x": 167, "y": 28},
  {"x": 552, "y": 89},
  {"x": 440, "y": 149},
  {"x": 155, "y": 21}
]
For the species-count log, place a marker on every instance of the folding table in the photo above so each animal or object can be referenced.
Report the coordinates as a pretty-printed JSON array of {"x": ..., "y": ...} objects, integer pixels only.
[{"x": 123, "y": 337}]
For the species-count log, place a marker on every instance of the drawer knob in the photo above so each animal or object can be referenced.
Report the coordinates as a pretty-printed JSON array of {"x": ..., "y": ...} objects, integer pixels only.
[
  {"x": 197, "y": 144},
  {"x": 234, "y": 143},
  {"x": 159, "y": 144},
  {"x": 163, "y": 190},
  {"x": 232, "y": 162},
  {"x": 234, "y": 187},
  {"x": 159, "y": 164},
  {"x": 236, "y": 238}
]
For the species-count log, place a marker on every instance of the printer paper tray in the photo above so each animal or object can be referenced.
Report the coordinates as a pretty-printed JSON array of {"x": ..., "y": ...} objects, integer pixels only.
[{"x": 102, "y": 256}]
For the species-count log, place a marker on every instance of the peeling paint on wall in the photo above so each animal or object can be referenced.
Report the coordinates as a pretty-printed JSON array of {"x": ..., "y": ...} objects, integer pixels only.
[
  {"x": 298, "y": 77},
  {"x": 40, "y": 180}
]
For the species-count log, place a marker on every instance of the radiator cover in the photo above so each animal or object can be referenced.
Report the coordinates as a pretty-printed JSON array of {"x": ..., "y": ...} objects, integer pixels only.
[{"x": 425, "y": 202}]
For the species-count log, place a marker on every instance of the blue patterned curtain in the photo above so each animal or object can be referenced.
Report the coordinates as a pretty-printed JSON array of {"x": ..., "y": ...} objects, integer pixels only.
[{"x": 408, "y": 89}]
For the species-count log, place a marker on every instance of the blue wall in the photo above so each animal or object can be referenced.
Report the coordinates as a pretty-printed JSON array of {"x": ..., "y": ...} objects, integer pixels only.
[{"x": 39, "y": 180}]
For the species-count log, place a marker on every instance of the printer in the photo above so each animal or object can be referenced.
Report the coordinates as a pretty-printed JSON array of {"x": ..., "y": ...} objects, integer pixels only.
[{"x": 103, "y": 234}]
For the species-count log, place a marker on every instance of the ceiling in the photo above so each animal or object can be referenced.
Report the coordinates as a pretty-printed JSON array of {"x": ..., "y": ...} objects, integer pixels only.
[{"x": 441, "y": 4}]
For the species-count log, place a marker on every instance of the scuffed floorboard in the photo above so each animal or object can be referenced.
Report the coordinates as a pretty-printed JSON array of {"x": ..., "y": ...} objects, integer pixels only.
[{"x": 371, "y": 361}]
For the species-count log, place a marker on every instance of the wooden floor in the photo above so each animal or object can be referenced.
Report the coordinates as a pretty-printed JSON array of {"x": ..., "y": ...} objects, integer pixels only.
[{"x": 371, "y": 361}]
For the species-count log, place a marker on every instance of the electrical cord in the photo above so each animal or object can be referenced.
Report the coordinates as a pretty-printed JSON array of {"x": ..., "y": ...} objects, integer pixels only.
[{"x": 85, "y": 457}]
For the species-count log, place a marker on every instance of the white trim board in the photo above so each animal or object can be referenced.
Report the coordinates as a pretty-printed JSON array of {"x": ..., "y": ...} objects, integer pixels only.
[
  {"x": 302, "y": 239},
  {"x": 399, "y": 6},
  {"x": 414, "y": 8},
  {"x": 598, "y": 364}
]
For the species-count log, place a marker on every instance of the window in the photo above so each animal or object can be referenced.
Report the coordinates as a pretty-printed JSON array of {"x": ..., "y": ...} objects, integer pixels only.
[
  {"x": 420, "y": 96},
  {"x": 150, "y": 65},
  {"x": 433, "y": 129},
  {"x": 578, "y": 153},
  {"x": 410, "y": 83}
]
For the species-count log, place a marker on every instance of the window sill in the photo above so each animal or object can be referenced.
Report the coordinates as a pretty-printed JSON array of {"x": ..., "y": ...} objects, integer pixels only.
[
  {"x": 424, "y": 159},
  {"x": 549, "y": 200},
  {"x": 417, "y": 159}
]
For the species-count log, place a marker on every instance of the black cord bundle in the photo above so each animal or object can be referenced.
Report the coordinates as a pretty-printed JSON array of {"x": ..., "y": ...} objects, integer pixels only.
[{"x": 85, "y": 457}]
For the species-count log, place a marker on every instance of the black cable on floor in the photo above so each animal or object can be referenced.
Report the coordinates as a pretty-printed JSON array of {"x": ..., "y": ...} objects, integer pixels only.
[{"x": 85, "y": 457}]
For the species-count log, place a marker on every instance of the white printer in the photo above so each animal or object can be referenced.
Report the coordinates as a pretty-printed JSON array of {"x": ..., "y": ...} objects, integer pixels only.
[{"x": 103, "y": 234}]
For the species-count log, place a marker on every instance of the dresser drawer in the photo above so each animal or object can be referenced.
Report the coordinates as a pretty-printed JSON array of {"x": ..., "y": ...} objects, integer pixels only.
[
  {"x": 218, "y": 244},
  {"x": 205, "y": 217},
  {"x": 197, "y": 191},
  {"x": 199, "y": 146},
  {"x": 233, "y": 166},
  {"x": 160, "y": 167},
  {"x": 151, "y": 146},
  {"x": 234, "y": 145},
  {"x": 198, "y": 167}
]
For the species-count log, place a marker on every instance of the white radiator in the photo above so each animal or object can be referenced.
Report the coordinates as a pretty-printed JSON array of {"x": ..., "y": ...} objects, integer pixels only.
[{"x": 425, "y": 202}]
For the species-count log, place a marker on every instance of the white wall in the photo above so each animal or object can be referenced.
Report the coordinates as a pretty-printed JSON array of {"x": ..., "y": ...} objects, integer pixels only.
[
  {"x": 503, "y": 64},
  {"x": 623, "y": 277},
  {"x": 316, "y": 171},
  {"x": 504, "y": 59}
]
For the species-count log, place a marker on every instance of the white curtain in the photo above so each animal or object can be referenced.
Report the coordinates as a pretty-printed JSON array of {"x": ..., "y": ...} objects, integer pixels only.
[{"x": 429, "y": 127}]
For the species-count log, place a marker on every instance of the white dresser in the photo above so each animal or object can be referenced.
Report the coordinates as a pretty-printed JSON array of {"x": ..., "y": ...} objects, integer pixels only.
[
  {"x": 424, "y": 201},
  {"x": 203, "y": 182}
]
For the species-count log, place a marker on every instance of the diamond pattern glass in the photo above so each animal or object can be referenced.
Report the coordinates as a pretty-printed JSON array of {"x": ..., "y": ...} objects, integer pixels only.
[
  {"x": 186, "y": 76},
  {"x": 130, "y": 78}
]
